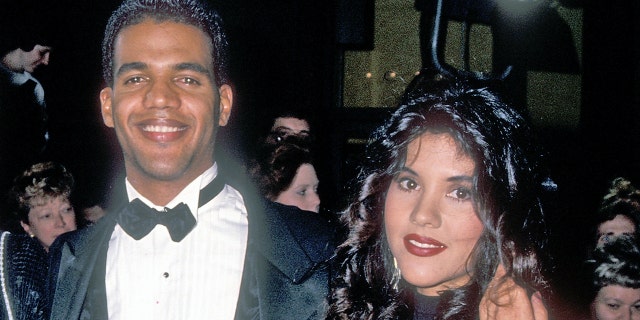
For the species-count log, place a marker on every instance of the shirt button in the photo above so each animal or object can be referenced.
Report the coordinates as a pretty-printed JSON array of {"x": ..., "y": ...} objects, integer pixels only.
[{"x": 165, "y": 275}]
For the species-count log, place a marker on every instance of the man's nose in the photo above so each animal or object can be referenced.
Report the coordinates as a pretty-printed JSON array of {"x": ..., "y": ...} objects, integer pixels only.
[
  {"x": 161, "y": 94},
  {"x": 45, "y": 58}
]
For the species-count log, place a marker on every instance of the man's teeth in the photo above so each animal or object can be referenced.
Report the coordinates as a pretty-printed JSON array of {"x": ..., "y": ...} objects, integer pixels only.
[
  {"x": 423, "y": 245},
  {"x": 161, "y": 129}
]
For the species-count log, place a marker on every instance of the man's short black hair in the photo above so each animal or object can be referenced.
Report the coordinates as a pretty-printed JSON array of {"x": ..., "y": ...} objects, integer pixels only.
[{"x": 191, "y": 12}]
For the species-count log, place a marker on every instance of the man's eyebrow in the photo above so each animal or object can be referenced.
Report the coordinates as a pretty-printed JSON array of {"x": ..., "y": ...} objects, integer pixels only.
[
  {"x": 131, "y": 66},
  {"x": 194, "y": 67}
]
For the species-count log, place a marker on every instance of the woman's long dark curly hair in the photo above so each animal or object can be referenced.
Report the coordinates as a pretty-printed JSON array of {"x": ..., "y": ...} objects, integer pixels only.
[{"x": 508, "y": 185}]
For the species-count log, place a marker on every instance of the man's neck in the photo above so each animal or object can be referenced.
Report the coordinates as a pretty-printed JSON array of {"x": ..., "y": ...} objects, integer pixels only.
[
  {"x": 161, "y": 192},
  {"x": 9, "y": 61}
]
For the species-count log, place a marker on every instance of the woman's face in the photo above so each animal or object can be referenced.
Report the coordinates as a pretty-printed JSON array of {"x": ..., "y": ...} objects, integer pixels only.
[
  {"x": 49, "y": 218},
  {"x": 430, "y": 220},
  {"x": 303, "y": 191},
  {"x": 617, "y": 302},
  {"x": 617, "y": 226}
]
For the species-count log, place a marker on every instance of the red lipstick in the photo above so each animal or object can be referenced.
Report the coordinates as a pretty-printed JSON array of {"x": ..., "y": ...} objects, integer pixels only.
[{"x": 423, "y": 246}]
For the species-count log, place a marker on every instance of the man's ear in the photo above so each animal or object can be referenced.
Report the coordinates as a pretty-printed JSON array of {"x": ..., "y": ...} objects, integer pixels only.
[
  {"x": 226, "y": 102},
  {"x": 105, "y": 102}
]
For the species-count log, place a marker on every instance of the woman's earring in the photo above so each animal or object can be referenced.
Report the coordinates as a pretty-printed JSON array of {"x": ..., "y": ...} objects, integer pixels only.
[
  {"x": 31, "y": 235},
  {"x": 396, "y": 274}
]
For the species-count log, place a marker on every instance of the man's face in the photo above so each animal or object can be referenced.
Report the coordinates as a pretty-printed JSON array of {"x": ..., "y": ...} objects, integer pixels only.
[
  {"x": 162, "y": 102},
  {"x": 36, "y": 57},
  {"x": 290, "y": 125},
  {"x": 20, "y": 60}
]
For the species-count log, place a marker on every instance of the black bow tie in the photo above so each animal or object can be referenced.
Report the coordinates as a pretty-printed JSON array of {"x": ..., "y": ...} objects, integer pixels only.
[{"x": 137, "y": 219}]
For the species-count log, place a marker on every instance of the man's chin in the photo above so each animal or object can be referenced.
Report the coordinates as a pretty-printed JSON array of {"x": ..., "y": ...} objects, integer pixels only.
[{"x": 163, "y": 171}]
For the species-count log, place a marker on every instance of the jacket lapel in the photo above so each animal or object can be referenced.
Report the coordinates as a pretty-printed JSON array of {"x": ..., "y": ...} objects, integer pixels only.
[
  {"x": 272, "y": 238},
  {"x": 281, "y": 234},
  {"x": 80, "y": 289}
]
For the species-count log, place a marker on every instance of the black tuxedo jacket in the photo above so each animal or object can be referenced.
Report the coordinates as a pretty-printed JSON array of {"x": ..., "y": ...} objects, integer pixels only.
[
  {"x": 22, "y": 129},
  {"x": 286, "y": 273}
]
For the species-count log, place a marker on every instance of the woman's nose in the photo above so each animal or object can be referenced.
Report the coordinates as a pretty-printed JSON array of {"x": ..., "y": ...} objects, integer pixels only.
[
  {"x": 315, "y": 199},
  {"x": 60, "y": 221},
  {"x": 426, "y": 211}
]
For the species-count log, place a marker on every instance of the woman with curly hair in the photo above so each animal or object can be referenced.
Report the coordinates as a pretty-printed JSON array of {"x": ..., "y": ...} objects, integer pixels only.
[
  {"x": 40, "y": 201},
  {"x": 616, "y": 279},
  {"x": 448, "y": 223},
  {"x": 40, "y": 212}
]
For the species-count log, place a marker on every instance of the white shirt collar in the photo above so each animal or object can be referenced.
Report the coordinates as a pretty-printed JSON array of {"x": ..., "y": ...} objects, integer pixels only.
[
  {"x": 189, "y": 195},
  {"x": 19, "y": 78}
]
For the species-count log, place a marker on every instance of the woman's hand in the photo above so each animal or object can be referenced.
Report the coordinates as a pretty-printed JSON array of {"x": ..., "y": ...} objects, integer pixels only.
[{"x": 505, "y": 300}]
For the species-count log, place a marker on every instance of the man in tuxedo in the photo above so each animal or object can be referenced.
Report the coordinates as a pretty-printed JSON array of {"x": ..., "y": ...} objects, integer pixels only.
[{"x": 186, "y": 244}]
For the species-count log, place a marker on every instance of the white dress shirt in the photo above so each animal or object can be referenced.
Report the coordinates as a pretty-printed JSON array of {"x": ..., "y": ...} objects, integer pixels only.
[
  {"x": 196, "y": 278},
  {"x": 20, "y": 78}
]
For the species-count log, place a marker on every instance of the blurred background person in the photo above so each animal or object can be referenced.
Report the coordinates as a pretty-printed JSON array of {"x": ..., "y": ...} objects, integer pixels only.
[
  {"x": 618, "y": 215},
  {"x": 619, "y": 212},
  {"x": 24, "y": 48},
  {"x": 40, "y": 203},
  {"x": 40, "y": 211},
  {"x": 24, "y": 265},
  {"x": 284, "y": 172},
  {"x": 291, "y": 122},
  {"x": 616, "y": 280}
]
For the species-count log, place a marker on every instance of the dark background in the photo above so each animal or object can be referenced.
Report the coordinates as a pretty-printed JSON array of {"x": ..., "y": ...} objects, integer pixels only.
[{"x": 289, "y": 53}]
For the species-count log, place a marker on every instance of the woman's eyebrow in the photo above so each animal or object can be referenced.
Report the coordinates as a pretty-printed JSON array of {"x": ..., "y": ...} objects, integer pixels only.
[{"x": 460, "y": 178}]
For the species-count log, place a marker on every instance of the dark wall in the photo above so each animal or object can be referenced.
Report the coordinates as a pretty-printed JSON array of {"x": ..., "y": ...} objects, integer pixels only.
[
  {"x": 611, "y": 117},
  {"x": 282, "y": 57},
  {"x": 72, "y": 80},
  {"x": 607, "y": 144}
]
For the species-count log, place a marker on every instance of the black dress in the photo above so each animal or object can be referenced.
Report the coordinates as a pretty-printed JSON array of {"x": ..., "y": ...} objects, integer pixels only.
[
  {"x": 23, "y": 272},
  {"x": 425, "y": 307}
]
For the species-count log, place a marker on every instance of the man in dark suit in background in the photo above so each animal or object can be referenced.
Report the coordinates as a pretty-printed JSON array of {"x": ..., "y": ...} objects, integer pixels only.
[
  {"x": 188, "y": 245},
  {"x": 24, "y": 47}
]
